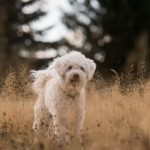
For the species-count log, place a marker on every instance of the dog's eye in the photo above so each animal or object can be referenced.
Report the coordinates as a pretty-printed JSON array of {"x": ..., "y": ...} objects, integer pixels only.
[
  {"x": 82, "y": 68},
  {"x": 70, "y": 67}
]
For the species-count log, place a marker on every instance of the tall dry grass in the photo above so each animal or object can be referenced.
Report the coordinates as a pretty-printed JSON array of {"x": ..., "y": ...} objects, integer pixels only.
[{"x": 117, "y": 114}]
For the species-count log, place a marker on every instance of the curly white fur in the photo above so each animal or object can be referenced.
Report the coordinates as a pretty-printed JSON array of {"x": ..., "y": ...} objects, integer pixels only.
[{"x": 61, "y": 95}]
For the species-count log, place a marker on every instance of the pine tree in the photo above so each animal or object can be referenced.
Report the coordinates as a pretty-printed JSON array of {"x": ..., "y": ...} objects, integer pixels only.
[
  {"x": 15, "y": 32},
  {"x": 111, "y": 29}
]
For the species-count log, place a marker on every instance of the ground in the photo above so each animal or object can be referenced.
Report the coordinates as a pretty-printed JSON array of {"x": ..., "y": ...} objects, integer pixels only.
[{"x": 117, "y": 115}]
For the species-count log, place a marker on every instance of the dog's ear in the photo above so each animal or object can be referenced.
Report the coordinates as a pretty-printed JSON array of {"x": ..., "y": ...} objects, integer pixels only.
[
  {"x": 58, "y": 66},
  {"x": 91, "y": 66}
]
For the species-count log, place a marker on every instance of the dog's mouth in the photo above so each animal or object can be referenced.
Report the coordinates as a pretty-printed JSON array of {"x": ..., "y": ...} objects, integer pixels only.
[{"x": 74, "y": 82}]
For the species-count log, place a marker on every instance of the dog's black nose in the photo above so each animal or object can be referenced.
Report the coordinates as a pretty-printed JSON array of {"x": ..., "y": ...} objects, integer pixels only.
[{"x": 76, "y": 76}]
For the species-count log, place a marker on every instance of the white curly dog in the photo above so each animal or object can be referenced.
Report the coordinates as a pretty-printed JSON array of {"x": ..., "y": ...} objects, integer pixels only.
[{"x": 61, "y": 95}]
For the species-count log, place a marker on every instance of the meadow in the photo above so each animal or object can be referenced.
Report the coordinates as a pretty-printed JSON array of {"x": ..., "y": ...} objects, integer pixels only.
[{"x": 117, "y": 113}]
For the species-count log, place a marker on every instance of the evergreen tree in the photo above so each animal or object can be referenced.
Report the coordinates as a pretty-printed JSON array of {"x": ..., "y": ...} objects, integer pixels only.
[
  {"x": 15, "y": 32},
  {"x": 111, "y": 29}
]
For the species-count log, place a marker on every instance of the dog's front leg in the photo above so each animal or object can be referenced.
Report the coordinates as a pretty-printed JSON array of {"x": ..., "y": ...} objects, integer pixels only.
[
  {"x": 80, "y": 122},
  {"x": 42, "y": 118},
  {"x": 61, "y": 132}
]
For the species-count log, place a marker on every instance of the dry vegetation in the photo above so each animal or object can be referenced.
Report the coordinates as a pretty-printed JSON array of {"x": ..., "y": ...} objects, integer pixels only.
[{"x": 117, "y": 114}]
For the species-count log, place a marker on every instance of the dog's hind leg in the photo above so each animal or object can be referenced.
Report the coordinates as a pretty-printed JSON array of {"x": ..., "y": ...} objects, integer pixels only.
[{"x": 42, "y": 118}]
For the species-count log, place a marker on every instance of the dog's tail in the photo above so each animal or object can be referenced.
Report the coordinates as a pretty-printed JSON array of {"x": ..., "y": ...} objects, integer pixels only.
[{"x": 39, "y": 78}]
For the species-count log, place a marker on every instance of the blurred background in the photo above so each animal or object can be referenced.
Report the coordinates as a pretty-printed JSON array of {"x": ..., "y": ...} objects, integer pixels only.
[{"x": 114, "y": 33}]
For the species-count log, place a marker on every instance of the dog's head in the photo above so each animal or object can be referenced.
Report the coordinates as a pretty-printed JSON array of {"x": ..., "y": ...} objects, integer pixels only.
[{"x": 74, "y": 68}]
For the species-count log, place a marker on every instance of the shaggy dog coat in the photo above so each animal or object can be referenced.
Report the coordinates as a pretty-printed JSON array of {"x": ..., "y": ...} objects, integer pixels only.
[{"x": 61, "y": 95}]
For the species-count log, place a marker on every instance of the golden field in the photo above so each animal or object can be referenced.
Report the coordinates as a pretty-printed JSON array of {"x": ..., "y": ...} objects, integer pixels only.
[{"x": 117, "y": 114}]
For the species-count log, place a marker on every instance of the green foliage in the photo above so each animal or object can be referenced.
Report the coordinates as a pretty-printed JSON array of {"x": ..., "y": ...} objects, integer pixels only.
[{"x": 10, "y": 124}]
